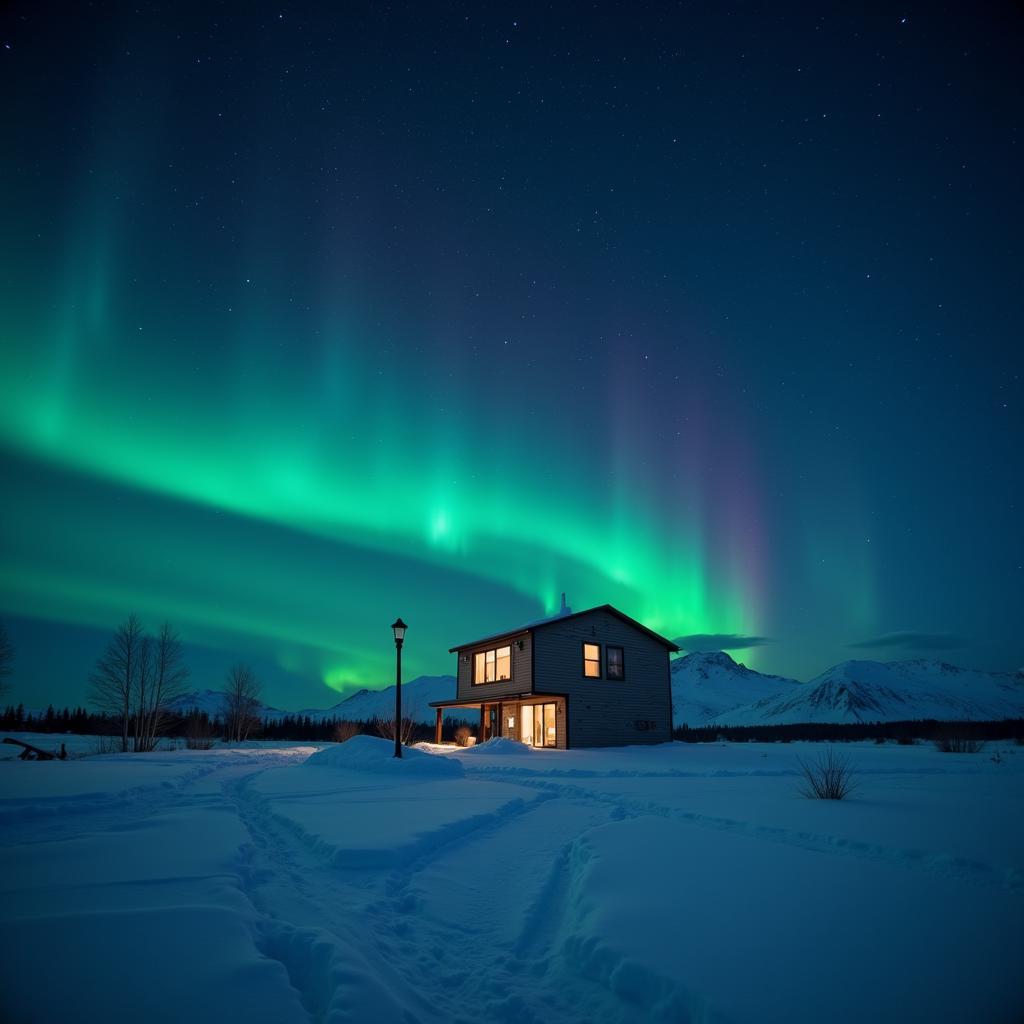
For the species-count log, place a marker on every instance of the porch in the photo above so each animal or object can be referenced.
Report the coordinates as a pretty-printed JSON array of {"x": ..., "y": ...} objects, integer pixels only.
[{"x": 537, "y": 719}]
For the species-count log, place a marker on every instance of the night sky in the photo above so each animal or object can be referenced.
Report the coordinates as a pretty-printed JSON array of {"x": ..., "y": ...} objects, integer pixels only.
[{"x": 313, "y": 318}]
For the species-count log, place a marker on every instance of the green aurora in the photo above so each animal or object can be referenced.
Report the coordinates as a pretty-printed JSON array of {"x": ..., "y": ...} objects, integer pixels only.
[
  {"x": 397, "y": 501},
  {"x": 283, "y": 357}
]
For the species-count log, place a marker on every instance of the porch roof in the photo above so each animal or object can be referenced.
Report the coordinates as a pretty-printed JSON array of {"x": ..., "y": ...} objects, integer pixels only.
[{"x": 498, "y": 698}]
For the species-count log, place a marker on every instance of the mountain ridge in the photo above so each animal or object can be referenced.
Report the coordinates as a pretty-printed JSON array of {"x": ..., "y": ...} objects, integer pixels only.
[
  {"x": 861, "y": 691},
  {"x": 362, "y": 705},
  {"x": 711, "y": 687}
]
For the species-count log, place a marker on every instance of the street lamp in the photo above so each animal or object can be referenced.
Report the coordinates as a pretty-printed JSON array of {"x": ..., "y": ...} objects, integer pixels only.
[{"x": 398, "y": 627}]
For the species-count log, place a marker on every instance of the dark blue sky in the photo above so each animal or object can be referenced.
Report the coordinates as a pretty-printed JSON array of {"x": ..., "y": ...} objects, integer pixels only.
[{"x": 316, "y": 316}]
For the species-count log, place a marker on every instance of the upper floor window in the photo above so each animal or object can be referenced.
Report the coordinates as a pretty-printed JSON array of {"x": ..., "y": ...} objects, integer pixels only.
[
  {"x": 592, "y": 661},
  {"x": 492, "y": 666},
  {"x": 614, "y": 662}
]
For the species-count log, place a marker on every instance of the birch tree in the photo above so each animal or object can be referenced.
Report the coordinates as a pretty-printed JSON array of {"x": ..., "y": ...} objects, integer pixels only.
[
  {"x": 163, "y": 677},
  {"x": 241, "y": 702},
  {"x": 135, "y": 680},
  {"x": 114, "y": 680}
]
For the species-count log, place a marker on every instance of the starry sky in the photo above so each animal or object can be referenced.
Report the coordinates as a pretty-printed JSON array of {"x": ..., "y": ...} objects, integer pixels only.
[{"x": 316, "y": 317}]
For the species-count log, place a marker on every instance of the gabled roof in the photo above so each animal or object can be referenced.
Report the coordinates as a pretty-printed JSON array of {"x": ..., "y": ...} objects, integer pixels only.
[{"x": 535, "y": 627}]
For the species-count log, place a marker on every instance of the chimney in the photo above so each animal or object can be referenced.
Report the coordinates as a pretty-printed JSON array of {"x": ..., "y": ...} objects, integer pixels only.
[{"x": 562, "y": 611}]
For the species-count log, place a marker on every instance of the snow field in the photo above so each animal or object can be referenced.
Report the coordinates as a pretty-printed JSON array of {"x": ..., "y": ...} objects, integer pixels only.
[
  {"x": 377, "y": 811},
  {"x": 675, "y": 883}
]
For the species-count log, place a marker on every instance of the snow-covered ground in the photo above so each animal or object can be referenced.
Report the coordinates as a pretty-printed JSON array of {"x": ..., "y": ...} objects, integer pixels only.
[
  {"x": 682, "y": 882},
  {"x": 74, "y": 745}
]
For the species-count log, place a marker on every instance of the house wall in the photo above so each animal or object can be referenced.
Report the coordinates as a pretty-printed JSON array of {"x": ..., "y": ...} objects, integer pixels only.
[
  {"x": 521, "y": 681},
  {"x": 606, "y": 712}
]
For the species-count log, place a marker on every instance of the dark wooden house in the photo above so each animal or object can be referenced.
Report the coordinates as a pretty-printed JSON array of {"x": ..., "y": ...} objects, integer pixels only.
[{"x": 595, "y": 678}]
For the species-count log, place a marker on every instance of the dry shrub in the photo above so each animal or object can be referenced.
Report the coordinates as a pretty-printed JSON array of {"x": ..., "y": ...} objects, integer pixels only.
[
  {"x": 385, "y": 727},
  {"x": 828, "y": 778},
  {"x": 958, "y": 745},
  {"x": 345, "y": 730},
  {"x": 199, "y": 734},
  {"x": 462, "y": 735}
]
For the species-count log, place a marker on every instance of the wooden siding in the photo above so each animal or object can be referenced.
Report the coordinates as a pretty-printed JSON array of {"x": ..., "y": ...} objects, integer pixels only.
[
  {"x": 521, "y": 681},
  {"x": 605, "y": 712}
]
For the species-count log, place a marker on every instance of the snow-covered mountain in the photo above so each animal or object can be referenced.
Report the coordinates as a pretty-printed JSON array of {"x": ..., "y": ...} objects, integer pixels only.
[
  {"x": 416, "y": 697},
  {"x": 364, "y": 705},
  {"x": 871, "y": 691},
  {"x": 210, "y": 701},
  {"x": 705, "y": 685},
  {"x": 712, "y": 687}
]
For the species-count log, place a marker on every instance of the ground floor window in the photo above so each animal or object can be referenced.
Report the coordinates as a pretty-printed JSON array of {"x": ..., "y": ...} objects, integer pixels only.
[{"x": 537, "y": 725}]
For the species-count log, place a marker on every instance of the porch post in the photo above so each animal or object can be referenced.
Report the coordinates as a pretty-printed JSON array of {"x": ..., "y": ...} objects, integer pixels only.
[
  {"x": 437, "y": 727},
  {"x": 483, "y": 709}
]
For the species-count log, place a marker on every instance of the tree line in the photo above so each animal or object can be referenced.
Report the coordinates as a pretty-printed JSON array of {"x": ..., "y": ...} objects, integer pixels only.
[
  {"x": 133, "y": 689},
  {"x": 196, "y": 725},
  {"x": 136, "y": 687},
  {"x": 896, "y": 732}
]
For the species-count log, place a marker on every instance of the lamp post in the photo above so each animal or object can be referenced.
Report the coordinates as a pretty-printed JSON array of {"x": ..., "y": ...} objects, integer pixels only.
[{"x": 398, "y": 628}]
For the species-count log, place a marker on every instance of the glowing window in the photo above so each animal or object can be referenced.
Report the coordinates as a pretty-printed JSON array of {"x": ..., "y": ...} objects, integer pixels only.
[
  {"x": 614, "y": 663},
  {"x": 538, "y": 728},
  {"x": 492, "y": 666},
  {"x": 504, "y": 662},
  {"x": 592, "y": 661}
]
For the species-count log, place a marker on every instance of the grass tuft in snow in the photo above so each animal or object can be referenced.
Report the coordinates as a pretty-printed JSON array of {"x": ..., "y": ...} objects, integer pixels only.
[
  {"x": 830, "y": 777},
  {"x": 958, "y": 745}
]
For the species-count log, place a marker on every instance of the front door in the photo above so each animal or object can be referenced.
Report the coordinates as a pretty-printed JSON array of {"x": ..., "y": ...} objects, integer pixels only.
[{"x": 493, "y": 728}]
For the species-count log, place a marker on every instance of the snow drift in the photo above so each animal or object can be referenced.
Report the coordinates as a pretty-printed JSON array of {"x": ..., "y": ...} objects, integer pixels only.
[
  {"x": 499, "y": 747},
  {"x": 374, "y": 754}
]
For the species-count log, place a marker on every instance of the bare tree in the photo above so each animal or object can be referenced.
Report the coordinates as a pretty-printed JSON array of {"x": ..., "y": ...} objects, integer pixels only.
[
  {"x": 6, "y": 659},
  {"x": 164, "y": 677},
  {"x": 143, "y": 685},
  {"x": 242, "y": 702},
  {"x": 114, "y": 680}
]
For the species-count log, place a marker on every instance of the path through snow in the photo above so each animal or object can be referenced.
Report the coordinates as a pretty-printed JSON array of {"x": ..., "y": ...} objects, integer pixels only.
[{"x": 589, "y": 886}]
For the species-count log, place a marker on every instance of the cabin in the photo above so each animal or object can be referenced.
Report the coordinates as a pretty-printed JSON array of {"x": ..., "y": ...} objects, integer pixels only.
[{"x": 595, "y": 678}]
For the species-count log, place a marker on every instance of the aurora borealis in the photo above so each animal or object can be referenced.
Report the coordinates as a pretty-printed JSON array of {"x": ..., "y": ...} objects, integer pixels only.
[{"x": 316, "y": 317}]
